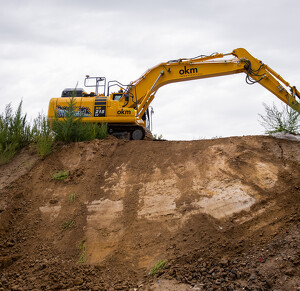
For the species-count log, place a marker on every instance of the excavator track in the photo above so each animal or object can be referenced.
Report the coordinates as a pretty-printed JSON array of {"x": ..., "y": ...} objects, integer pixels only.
[
  {"x": 129, "y": 131},
  {"x": 148, "y": 135}
]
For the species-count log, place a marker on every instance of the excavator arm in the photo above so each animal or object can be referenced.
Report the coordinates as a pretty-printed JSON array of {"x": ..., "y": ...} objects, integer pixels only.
[{"x": 143, "y": 89}]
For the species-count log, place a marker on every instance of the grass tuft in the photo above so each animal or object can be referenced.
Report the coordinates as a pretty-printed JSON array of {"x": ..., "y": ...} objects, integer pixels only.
[
  {"x": 82, "y": 249},
  {"x": 68, "y": 224},
  {"x": 72, "y": 198},
  {"x": 158, "y": 137},
  {"x": 61, "y": 175},
  {"x": 160, "y": 265}
]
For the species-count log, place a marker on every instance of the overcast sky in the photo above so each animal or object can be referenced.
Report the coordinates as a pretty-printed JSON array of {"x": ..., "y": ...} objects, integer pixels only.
[{"x": 46, "y": 46}]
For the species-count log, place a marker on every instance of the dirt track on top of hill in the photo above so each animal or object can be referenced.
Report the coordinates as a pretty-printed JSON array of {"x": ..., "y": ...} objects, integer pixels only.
[{"x": 222, "y": 213}]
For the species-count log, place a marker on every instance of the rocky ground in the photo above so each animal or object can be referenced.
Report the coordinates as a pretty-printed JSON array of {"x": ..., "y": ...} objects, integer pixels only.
[{"x": 219, "y": 214}]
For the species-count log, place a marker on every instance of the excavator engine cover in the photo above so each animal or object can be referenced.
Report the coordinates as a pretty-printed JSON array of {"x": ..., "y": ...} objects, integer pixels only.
[{"x": 72, "y": 92}]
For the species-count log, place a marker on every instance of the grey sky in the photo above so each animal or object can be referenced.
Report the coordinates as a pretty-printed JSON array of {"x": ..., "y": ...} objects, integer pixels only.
[{"x": 46, "y": 46}]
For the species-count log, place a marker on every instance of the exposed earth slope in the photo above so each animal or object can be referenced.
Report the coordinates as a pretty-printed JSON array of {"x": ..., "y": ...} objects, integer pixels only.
[{"x": 222, "y": 213}]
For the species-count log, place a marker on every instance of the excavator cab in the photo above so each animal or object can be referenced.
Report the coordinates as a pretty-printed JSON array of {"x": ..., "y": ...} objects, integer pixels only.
[{"x": 117, "y": 96}]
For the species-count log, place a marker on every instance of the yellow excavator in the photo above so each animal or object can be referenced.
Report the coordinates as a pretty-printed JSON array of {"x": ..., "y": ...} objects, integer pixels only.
[{"x": 126, "y": 111}]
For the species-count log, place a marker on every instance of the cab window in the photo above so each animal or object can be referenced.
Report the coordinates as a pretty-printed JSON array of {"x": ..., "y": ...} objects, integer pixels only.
[{"x": 117, "y": 97}]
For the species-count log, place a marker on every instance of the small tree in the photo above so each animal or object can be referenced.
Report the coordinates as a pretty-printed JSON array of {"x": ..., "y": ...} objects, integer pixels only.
[
  {"x": 287, "y": 120},
  {"x": 71, "y": 128},
  {"x": 15, "y": 132},
  {"x": 42, "y": 135}
]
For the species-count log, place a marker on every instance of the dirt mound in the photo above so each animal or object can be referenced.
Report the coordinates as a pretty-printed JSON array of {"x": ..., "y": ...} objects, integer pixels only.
[{"x": 220, "y": 214}]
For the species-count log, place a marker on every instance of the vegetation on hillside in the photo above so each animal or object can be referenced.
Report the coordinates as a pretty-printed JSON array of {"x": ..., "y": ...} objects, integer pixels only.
[{"x": 16, "y": 132}]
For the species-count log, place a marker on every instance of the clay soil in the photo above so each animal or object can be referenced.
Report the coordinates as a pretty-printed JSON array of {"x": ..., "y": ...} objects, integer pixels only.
[{"x": 223, "y": 214}]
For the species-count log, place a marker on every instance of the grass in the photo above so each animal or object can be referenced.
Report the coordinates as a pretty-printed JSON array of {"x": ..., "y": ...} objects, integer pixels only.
[
  {"x": 61, "y": 175},
  {"x": 72, "y": 198},
  {"x": 68, "y": 224},
  {"x": 160, "y": 265},
  {"x": 82, "y": 249}
]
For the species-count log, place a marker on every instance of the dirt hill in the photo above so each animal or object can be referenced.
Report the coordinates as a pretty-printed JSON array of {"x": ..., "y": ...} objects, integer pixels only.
[{"x": 221, "y": 214}]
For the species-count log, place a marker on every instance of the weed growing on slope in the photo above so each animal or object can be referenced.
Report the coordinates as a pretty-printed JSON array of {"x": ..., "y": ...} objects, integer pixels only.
[
  {"x": 286, "y": 120},
  {"x": 72, "y": 198},
  {"x": 68, "y": 224},
  {"x": 61, "y": 175},
  {"x": 158, "y": 137},
  {"x": 160, "y": 265},
  {"x": 82, "y": 249}
]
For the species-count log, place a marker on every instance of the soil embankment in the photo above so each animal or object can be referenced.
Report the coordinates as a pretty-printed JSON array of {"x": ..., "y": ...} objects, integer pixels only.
[{"x": 223, "y": 213}]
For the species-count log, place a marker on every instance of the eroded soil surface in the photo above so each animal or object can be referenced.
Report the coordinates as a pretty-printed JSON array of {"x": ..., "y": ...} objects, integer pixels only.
[{"x": 222, "y": 213}]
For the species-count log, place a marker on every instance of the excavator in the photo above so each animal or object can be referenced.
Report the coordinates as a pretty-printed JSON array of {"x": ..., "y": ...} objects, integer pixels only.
[{"x": 127, "y": 111}]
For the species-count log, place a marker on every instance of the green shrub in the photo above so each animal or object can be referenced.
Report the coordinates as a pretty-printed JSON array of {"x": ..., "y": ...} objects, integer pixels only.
[
  {"x": 286, "y": 120},
  {"x": 15, "y": 133},
  {"x": 99, "y": 131},
  {"x": 157, "y": 137},
  {"x": 43, "y": 136},
  {"x": 70, "y": 127},
  {"x": 7, "y": 152}
]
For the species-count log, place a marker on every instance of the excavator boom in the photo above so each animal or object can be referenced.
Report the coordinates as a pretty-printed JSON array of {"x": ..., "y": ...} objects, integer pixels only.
[{"x": 213, "y": 66}]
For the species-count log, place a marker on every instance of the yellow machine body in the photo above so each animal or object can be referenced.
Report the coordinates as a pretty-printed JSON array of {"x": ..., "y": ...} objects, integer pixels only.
[{"x": 96, "y": 109}]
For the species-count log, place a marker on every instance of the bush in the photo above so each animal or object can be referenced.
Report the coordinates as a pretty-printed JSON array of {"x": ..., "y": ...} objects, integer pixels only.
[
  {"x": 157, "y": 137},
  {"x": 286, "y": 120},
  {"x": 99, "y": 131},
  {"x": 15, "y": 133},
  {"x": 43, "y": 136}
]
